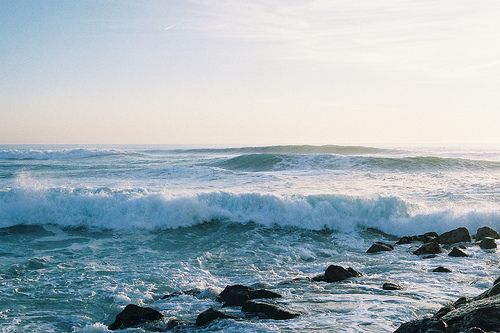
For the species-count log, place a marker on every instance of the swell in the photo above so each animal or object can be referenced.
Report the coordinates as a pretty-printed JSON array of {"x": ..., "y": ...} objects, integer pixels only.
[
  {"x": 280, "y": 162},
  {"x": 139, "y": 209},
  {"x": 55, "y": 154}
]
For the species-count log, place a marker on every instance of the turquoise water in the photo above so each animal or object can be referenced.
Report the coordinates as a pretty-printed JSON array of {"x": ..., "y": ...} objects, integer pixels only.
[{"x": 87, "y": 230}]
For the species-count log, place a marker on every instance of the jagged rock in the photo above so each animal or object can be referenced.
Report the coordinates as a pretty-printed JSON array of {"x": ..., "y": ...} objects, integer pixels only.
[
  {"x": 457, "y": 252},
  {"x": 133, "y": 316},
  {"x": 238, "y": 294},
  {"x": 486, "y": 232},
  {"x": 441, "y": 269},
  {"x": 379, "y": 247},
  {"x": 458, "y": 235},
  {"x": 391, "y": 286},
  {"x": 337, "y": 273},
  {"x": 425, "y": 238},
  {"x": 429, "y": 248},
  {"x": 488, "y": 243},
  {"x": 480, "y": 313},
  {"x": 272, "y": 311},
  {"x": 210, "y": 315}
]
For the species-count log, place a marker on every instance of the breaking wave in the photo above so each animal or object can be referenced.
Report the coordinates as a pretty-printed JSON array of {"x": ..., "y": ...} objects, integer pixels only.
[
  {"x": 132, "y": 209},
  {"x": 56, "y": 154}
]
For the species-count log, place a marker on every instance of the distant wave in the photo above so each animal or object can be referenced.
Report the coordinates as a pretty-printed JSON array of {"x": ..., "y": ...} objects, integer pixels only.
[
  {"x": 293, "y": 149},
  {"x": 55, "y": 154},
  {"x": 273, "y": 162},
  {"x": 133, "y": 209}
]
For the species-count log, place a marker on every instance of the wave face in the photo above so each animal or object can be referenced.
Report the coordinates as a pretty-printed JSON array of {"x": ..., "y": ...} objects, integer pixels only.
[
  {"x": 129, "y": 210},
  {"x": 280, "y": 162}
]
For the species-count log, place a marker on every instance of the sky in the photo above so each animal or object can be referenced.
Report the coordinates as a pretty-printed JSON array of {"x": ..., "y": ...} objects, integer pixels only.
[{"x": 250, "y": 72}]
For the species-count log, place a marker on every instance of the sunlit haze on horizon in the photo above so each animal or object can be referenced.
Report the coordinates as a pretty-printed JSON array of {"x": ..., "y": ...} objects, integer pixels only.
[{"x": 250, "y": 72}]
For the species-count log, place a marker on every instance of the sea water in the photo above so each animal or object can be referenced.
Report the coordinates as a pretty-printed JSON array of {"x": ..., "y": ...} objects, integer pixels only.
[{"x": 86, "y": 230}]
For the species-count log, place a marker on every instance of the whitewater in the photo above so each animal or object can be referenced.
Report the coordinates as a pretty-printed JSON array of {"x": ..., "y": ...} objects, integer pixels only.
[{"x": 86, "y": 230}]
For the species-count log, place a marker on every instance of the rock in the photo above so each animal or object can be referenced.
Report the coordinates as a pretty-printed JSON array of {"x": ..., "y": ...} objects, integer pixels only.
[
  {"x": 488, "y": 243},
  {"x": 479, "y": 314},
  {"x": 496, "y": 281},
  {"x": 337, "y": 273},
  {"x": 425, "y": 238},
  {"x": 238, "y": 294},
  {"x": 429, "y": 248},
  {"x": 272, "y": 311},
  {"x": 458, "y": 235},
  {"x": 391, "y": 286},
  {"x": 210, "y": 315},
  {"x": 486, "y": 232},
  {"x": 457, "y": 252},
  {"x": 192, "y": 292},
  {"x": 379, "y": 247},
  {"x": 133, "y": 316},
  {"x": 441, "y": 269}
]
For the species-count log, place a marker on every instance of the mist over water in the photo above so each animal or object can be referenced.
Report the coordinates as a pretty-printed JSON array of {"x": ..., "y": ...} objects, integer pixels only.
[{"x": 87, "y": 230}]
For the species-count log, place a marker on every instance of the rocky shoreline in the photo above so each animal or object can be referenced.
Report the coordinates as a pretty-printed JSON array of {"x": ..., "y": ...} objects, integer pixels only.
[{"x": 476, "y": 315}]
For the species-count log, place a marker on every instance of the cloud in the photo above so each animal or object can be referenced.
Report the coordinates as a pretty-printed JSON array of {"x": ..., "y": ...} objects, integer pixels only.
[{"x": 430, "y": 36}]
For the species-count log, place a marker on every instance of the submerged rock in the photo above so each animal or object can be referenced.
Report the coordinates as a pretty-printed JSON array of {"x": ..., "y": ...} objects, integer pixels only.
[
  {"x": 238, "y": 294},
  {"x": 459, "y": 235},
  {"x": 425, "y": 238},
  {"x": 133, "y": 316},
  {"x": 429, "y": 248},
  {"x": 192, "y": 292},
  {"x": 379, "y": 247},
  {"x": 486, "y": 232},
  {"x": 457, "y": 252},
  {"x": 488, "y": 243},
  {"x": 337, "y": 273},
  {"x": 210, "y": 315},
  {"x": 271, "y": 311}
]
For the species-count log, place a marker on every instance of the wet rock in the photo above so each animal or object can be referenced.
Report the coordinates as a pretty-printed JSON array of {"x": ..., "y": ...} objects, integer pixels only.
[
  {"x": 236, "y": 295},
  {"x": 192, "y": 292},
  {"x": 272, "y": 311},
  {"x": 486, "y": 232},
  {"x": 337, "y": 273},
  {"x": 459, "y": 235},
  {"x": 133, "y": 316},
  {"x": 425, "y": 238},
  {"x": 391, "y": 286},
  {"x": 488, "y": 243},
  {"x": 457, "y": 252},
  {"x": 429, "y": 248},
  {"x": 379, "y": 247},
  {"x": 441, "y": 269},
  {"x": 496, "y": 281},
  {"x": 479, "y": 314},
  {"x": 210, "y": 315}
]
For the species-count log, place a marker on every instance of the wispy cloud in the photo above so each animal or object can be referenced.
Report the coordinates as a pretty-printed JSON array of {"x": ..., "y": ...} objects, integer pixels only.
[{"x": 419, "y": 35}]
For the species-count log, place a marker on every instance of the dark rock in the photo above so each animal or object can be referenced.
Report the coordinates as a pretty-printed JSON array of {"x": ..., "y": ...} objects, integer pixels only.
[
  {"x": 458, "y": 235},
  {"x": 486, "y": 232},
  {"x": 429, "y": 256},
  {"x": 488, "y": 243},
  {"x": 423, "y": 325},
  {"x": 496, "y": 281},
  {"x": 425, "y": 238},
  {"x": 338, "y": 273},
  {"x": 133, "y": 316},
  {"x": 429, "y": 248},
  {"x": 238, "y": 294},
  {"x": 379, "y": 247},
  {"x": 474, "y": 330},
  {"x": 391, "y": 286},
  {"x": 479, "y": 314},
  {"x": 441, "y": 269},
  {"x": 457, "y": 252},
  {"x": 210, "y": 315},
  {"x": 192, "y": 292},
  {"x": 272, "y": 311}
]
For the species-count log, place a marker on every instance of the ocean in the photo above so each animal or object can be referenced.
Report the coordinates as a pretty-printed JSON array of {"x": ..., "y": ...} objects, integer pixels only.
[{"x": 86, "y": 230}]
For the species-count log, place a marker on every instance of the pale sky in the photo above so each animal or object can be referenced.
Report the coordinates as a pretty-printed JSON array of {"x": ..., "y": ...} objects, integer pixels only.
[{"x": 250, "y": 72}]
